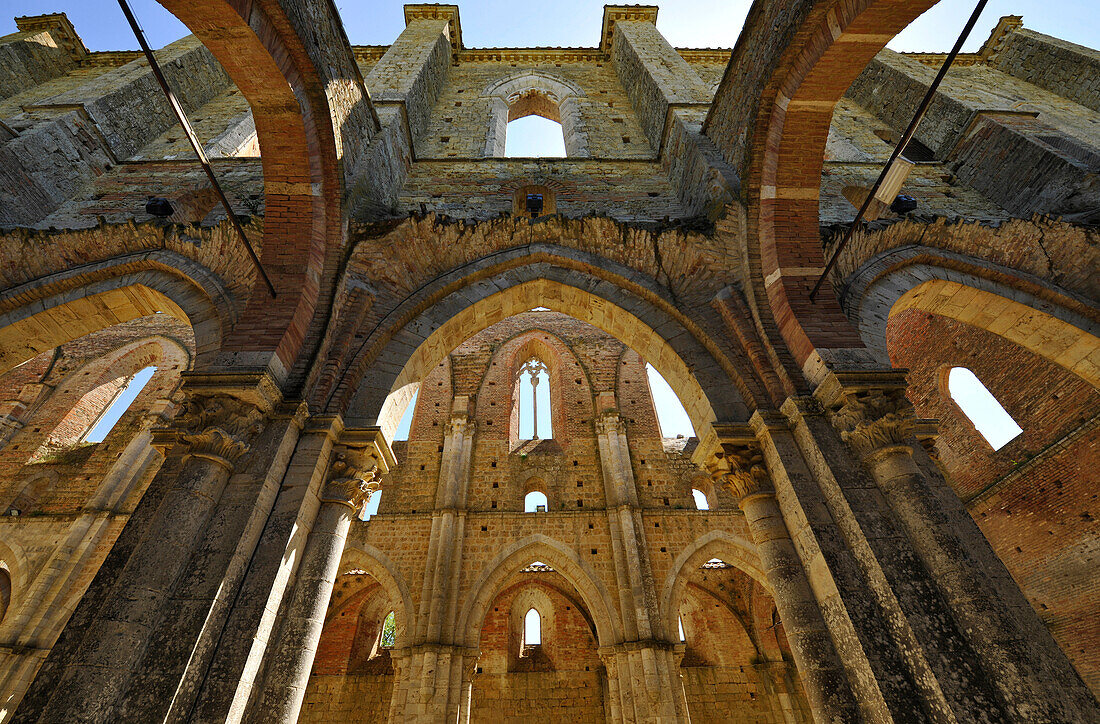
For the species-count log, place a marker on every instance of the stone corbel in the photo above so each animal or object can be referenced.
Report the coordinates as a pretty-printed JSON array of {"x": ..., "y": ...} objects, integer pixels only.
[{"x": 869, "y": 410}]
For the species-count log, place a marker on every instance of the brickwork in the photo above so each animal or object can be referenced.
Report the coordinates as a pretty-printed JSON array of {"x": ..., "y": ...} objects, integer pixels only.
[
  {"x": 1032, "y": 498},
  {"x": 214, "y": 564}
]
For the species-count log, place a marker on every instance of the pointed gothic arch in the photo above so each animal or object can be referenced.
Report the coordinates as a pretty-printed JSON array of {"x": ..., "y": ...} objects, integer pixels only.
[{"x": 565, "y": 561}]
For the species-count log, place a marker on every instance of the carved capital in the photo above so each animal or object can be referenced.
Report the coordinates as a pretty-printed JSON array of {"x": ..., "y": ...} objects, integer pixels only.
[
  {"x": 609, "y": 422},
  {"x": 869, "y": 410},
  {"x": 219, "y": 426},
  {"x": 353, "y": 478},
  {"x": 744, "y": 472},
  {"x": 460, "y": 424},
  {"x": 737, "y": 461}
]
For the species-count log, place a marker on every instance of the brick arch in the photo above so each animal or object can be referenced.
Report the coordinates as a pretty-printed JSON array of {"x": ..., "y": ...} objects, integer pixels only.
[
  {"x": 686, "y": 357},
  {"x": 827, "y": 46},
  {"x": 597, "y": 600},
  {"x": 731, "y": 548},
  {"x": 1009, "y": 306},
  {"x": 386, "y": 573},
  {"x": 40, "y": 315},
  {"x": 269, "y": 49}
]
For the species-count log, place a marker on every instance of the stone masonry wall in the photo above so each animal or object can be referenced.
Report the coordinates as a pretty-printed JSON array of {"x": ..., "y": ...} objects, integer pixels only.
[{"x": 564, "y": 681}]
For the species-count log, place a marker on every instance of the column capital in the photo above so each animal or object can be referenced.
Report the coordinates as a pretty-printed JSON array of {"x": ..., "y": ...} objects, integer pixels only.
[
  {"x": 352, "y": 478},
  {"x": 461, "y": 424},
  {"x": 608, "y": 422},
  {"x": 222, "y": 414},
  {"x": 738, "y": 461},
  {"x": 869, "y": 409},
  {"x": 219, "y": 427}
]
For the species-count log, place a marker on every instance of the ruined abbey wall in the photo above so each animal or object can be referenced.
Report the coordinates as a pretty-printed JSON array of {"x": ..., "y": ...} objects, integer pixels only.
[{"x": 865, "y": 553}]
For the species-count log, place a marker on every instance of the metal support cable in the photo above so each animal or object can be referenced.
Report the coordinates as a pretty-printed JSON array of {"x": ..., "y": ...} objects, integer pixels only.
[
  {"x": 195, "y": 144},
  {"x": 900, "y": 148}
]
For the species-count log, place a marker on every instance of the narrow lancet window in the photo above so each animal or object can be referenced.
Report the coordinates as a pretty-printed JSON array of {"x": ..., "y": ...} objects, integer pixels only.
[
  {"x": 113, "y": 412},
  {"x": 389, "y": 631},
  {"x": 680, "y": 623},
  {"x": 532, "y": 628},
  {"x": 981, "y": 408}
]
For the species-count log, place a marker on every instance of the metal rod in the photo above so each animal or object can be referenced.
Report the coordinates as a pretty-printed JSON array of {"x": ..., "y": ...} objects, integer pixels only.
[
  {"x": 195, "y": 144},
  {"x": 921, "y": 109}
]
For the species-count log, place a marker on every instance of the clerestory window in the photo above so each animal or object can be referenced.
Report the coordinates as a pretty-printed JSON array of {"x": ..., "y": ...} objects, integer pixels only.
[
  {"x": 113, "y": 412},
  {"x": 534, "y": 137},
  {"x": 535, "y": 502},
  {"x": 981, "y": 408},
  {"x": 533, "y": 383},
  {"x": 389, "y": 631},
  {"x": 532, "y": 628}
]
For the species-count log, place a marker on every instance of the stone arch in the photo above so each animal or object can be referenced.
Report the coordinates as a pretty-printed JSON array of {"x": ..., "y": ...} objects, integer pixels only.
[
  {"x": 15, "y": 563},
  {"x": 536, "y": 278},
  {"x": 564, "y": 560},
  {"x": 827, "y": 46},
  {"x": 286, "y": 60},
  {"x": 383, "y": 570},
  {"x": 51, "y": 311},
  {"x": 536, "y": 92},
  {"x": 65, "y": 411},
  {"x": 731, "y": 548},
  {"x": 1040, "y": 324}
]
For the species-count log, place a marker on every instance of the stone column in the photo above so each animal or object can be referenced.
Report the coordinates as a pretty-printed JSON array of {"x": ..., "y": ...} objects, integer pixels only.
[
  {"x": 353, "y": 478},
  {"x": 86, "y": 676},
  {"x": 1018, "y": 655},
  {"x": 742, "y": 469}
]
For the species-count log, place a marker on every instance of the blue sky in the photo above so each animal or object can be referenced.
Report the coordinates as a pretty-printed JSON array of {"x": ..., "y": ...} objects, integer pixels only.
[{"x": 686, "y": 23}]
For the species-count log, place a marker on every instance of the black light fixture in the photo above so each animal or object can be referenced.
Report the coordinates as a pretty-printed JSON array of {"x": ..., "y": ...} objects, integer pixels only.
[
  {"x": 903, "y": 204},
  {"x": 158, "y": 206},
  {"x": 534, "y": 205}
]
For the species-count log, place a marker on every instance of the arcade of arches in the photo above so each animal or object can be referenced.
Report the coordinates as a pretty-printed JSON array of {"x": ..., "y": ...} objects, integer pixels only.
[{"x": 837, "y": 542}]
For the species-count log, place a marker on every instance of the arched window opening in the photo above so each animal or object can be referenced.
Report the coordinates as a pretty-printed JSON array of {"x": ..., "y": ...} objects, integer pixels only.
[
  {"x": 402, "y": 432},
  {"x": 532, "y": 628},
  {"x": 389, "y": 631},
  {"x": 534, "y": 401},
  {"x": 535, "y": 502},
  {"x": 113, "y": 412},
  {"x": 701, "y": 502},
  {"x": 680, "y": 623},
  {"x": 671, "y": 415},
  {"x": 5, "y": 590},
  {"x": 534, "y": 137},
  {"x": 981, "y": 408},
  {"x": 371, "y": 507}
]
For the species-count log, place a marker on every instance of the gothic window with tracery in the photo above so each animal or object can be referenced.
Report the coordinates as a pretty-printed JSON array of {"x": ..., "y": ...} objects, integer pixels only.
[{"x": 533, "y": 387}]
